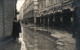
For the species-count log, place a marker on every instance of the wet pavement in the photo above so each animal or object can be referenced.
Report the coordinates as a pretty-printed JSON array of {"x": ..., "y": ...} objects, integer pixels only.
[{"x": 62, "y": 40}]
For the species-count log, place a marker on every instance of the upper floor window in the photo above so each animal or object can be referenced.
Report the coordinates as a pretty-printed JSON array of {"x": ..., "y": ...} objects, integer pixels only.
[
  {"x": 58, "y": 1},
  {"x": 54, "y": 1},
  {"x": 65, "y": 1},
  {"x": 44, "y": 3}
]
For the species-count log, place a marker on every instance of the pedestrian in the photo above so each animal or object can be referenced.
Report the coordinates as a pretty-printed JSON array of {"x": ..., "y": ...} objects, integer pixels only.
[
  {"x": 76, "y": 25},
  {"x": 16, "y": 29}
]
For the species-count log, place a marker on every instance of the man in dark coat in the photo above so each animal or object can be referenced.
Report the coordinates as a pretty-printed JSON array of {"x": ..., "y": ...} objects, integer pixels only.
[
  {"x": 16, "y": 29},
  {"x": 76, "y": 25}
]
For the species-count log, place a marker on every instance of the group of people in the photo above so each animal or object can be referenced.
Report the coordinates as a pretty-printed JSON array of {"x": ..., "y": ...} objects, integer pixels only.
[{"x": 76, "y": 25}]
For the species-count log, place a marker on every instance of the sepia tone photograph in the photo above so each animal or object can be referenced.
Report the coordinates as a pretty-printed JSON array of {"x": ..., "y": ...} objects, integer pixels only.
[{"x": 39, "y": 24}]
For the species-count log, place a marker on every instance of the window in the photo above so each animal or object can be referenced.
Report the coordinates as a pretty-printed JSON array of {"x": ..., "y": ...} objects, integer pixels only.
[
  {"x": 65, "y": 1},
  {"x": 58, "y": 1},
  {"x": 44, "y": 3},
  {"x": 54, "y": 1}
]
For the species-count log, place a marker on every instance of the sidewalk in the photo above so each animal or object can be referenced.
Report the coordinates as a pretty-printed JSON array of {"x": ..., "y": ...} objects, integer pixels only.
[
  {"x": 9, "y": 44},
  {"x": 5, "y": 39}
]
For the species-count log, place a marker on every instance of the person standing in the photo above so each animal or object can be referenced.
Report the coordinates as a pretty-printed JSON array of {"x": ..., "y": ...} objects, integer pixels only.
[
  {"x": 16, "y": 29},
  {"x": 76, "y": 25}
]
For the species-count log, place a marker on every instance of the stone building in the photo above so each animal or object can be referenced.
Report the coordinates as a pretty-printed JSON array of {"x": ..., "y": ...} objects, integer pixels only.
[
  {"x": 29, "y": 9},
  {"x": 7, "y": 12}
]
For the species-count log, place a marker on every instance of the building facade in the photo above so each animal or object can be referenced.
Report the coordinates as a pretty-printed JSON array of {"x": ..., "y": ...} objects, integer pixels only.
[
  {"x": 29, "y": 9},
  {"x": 7, "y": 13}
]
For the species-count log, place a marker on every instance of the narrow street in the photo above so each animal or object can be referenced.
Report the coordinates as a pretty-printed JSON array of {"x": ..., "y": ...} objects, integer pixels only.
[{"x": 39, "y": 25}]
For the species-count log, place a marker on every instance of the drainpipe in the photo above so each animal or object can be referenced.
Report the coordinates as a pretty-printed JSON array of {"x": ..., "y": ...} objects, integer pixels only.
[{"x": 3, "y": 18}]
